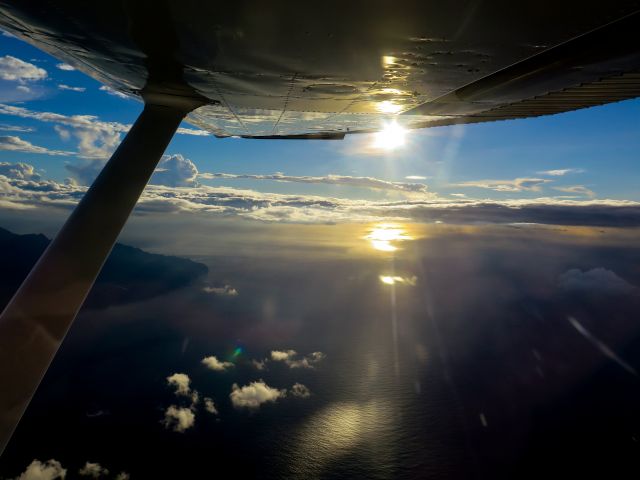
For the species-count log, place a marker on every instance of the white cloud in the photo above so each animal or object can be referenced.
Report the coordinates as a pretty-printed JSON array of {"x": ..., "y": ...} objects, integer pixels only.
[
  {"x": 62, "y": 86},
  {"x": 227, "y": 290},
  {"x": 344, "y": 180},
  {"x": 282, "y": 355},
  {"x": 595, "y": 281},
  {"x": 560, "y": 172},
  {"x": 113, "y": 92},
  {"x": 271, "y": 207},
  {"x": 292, "y": 360},
  {"x": 16, "y": 128},
  {"x": 65, "y": 66},
  {"x": 14, "y": 69},
  {"x": 23, "y": 88},
  {"x": 97, "y": 140},
  {"x": 22, "y": 171},
  {"x": 213, "y": 363},
  {"x": 301, "y": 391},
  {"x": 179, "y": 419},
  {"x": 175, "y": 171},
  {"x": 192, "y": 131},
  {"x": 209, "y": 406},
  {"x": 93, "y": 470},
  {"x": 16, "y": 144},
  {"x": 181, "y": 382},
  {"x": 515, "y": 185},
  {"x": 253, "y": 395},
  {"x": 49, "y": 470},
  {"x": 577, "y": 189},
  {"x": 415, "y": 177}
]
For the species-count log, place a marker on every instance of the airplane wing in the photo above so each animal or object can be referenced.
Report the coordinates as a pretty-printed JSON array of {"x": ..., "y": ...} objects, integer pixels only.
[{"x": 282, "y": 69}]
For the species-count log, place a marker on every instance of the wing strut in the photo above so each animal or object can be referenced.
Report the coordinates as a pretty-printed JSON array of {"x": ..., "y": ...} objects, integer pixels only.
[{"x": 35, "y": 322}]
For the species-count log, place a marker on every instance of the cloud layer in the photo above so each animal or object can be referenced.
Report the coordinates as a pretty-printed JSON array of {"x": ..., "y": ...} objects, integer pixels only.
[
  {"x": 20, "y": 193},
  {"x": 362, "y": 182}
]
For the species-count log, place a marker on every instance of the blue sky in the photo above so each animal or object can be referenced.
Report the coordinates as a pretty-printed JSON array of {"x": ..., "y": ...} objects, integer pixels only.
[{"x": 579, "y": 156}]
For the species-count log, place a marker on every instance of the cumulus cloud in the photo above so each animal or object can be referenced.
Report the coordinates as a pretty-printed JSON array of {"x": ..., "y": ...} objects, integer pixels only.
[
  {"x": 49, "y": 470},
  {"x": 515, "y": 185},
  {"x": 175, "y": 171},
  {"x": 93, "y": 470},
  {"x": 226, "y": 290},
  {"x": 97, "y": 139},
  {"x": 560, "y": 172},
  {"x": 113, "y": 92},
  {"x": 597, "y": 280},
  {"x": 65, "y": 66},
  {"x": 179, "y": 419},
  {"x": 344, "y": 180},
  {"x": 22, "y": 171},
  {"x": 213, "y": 363},
  {"x": 182, "y": 384},
  {"x": 14, "y": 69},
  {"x": 210, "y": 406},
  {"x": 253, "y": 395},
  {"x": 62, "y": 86},
  {"x": 300, "y": 390},
  {"x": 293, "y": 360},
  {"x": 16, "y": 144}
]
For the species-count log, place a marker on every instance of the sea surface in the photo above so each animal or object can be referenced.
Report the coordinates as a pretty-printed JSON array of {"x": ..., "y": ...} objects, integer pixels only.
[{"x": 446, "y": 352}]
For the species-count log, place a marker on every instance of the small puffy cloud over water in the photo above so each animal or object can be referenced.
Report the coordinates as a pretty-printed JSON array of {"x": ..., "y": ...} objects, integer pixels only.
[
  {"x": 181, "y": 382},
  {"x": 300, "y": 390},
  {"x": 597, "y": 280},
  {"x": 293, "y": 360},
  {"x": 93, "y": 470},
  {"x": 49, "y": 470},
  {"x": 179, "y": 419},
  {"x": 210, "y": 406},
  {"x": 212, "y": 363},
  {"x": 253, "y": 395},
  {"x": 226, "y": 290}
]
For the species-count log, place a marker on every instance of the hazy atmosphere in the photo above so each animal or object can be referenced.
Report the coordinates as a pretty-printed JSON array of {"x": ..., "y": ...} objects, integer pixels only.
[{"x": 463, "y": 304}]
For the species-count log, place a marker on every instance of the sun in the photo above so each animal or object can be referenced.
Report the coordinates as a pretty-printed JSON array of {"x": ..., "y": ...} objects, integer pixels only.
[
  {"x": 392, "y": 136},
  {"x": 383, "y": 237}
]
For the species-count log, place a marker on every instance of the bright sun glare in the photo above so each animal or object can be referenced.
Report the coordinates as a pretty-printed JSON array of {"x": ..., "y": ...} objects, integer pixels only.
[
  {"x": 392, "y": 136},
  {"x": 383, "y": 237}
]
